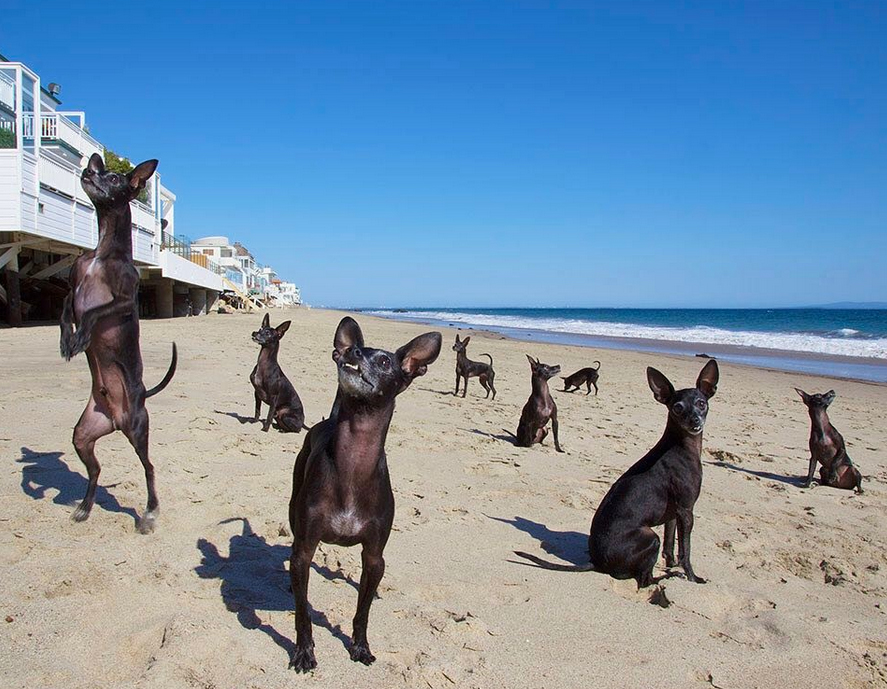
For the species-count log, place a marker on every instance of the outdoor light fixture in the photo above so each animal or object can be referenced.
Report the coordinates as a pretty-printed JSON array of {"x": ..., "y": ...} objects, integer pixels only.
[{"x": 54, "y": 88}]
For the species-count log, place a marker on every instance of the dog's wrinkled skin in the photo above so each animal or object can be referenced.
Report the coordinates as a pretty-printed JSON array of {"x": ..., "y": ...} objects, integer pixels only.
[
  {"x": 466, "y": 368},
  {"x": 103, "y": 306},
  {"x": 539, "y": 409},
  {"x": 341, "y": 488},
  {"x": 827, "y": 447},
  {"x": 584, "y": 376},
  {"x": 271, "y": 384},
  {"x": 661, "y": 488}
]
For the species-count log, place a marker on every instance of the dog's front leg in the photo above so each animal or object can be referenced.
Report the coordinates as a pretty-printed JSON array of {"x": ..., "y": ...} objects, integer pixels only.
[
  {"x": 370, "y": 576},
  {"x": 668, "y": 543},
  {"x": 118, "y": 306},
  {"x": 258, "y": 413},
  {"x": 812, "y": 470},
  {"x": 557, "y": 443},
  {"x": 457, "y": 383},
  {"x": 272, "y": 409},
  {"x": 685, "y": 528},
  {"x": 302, "y": 659}
]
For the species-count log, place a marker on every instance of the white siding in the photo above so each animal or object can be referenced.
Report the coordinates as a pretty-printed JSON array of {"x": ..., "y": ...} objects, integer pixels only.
[
  {"x": 56, "y": 219},
  {"x": 10, "y": 196}
]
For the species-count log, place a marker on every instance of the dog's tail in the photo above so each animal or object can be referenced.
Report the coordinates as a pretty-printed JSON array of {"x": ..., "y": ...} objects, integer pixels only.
[
  {"x": 169, "y": 374},
  {"x": 544, "y": 564},
  {"x": 505, "y": 430},
  {"x": 488, "y": 357},
  {"x": 598, "y": 367}
]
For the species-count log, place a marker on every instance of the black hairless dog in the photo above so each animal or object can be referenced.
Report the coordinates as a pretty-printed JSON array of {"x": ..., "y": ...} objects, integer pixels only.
[
  {"x": 103, "y": 305},
  {"x": 341, "y": 489},
  {"x": 539, "y": 409},
  {"x": 584, "y": 376},
  {"x": 827, "y": 446},
  {"x": 271, "y": 384},
  {"x": 661, "y": 488},
  {"x": 466, "y": 368}
]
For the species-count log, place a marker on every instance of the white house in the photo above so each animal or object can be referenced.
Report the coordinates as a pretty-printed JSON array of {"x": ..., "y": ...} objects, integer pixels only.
[{"x": 46, "y": 219}]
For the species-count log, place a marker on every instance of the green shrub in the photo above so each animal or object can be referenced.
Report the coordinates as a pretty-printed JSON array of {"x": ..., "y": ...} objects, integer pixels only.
[
  {"x": 7, "y": 138},
  {"x": 122, "y": 166}
]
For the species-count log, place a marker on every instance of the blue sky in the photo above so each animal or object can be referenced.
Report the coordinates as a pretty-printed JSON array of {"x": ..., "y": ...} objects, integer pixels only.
[{"x": 502, "y": 153}]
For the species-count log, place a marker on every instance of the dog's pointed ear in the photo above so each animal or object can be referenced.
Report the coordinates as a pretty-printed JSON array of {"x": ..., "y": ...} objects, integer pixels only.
[
  {"x": 417, "y": 354},
  {"x": 804, "y": 396},
  {"x": 660, "y": 385},
  {"x": 96, "y": 164},
  {"x": 142, "y": 172},
  {"x": 707, "y": 382},
  {"x": 457, "y": 338},
  {"x": 466, "y": 340},
  {"x": 266, "y": 321},
  {"x": 829, "y": 397},
  {"x": 532, "y": 363},
  {"x": 282, "y": 328},
  {"x": 348, "y": 335}
]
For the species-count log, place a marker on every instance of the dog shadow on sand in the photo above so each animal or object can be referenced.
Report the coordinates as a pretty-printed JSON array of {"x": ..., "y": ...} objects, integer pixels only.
[
  {"x": 797, "y": 481},
  {"x": 571, "y": 546},
  {"x": 254, "y": 579},
  {"x": 43, "y": 472},
  {"x": 240, "y": 417}
]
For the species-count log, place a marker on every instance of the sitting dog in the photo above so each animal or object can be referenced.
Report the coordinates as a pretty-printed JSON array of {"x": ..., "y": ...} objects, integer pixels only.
[
  {"x": 584, "y": 376},
  {"x": 103, "y": 305},
  {"x": 465, "y": 368},
  {"x": 271, "y": 384},
  {"x": 661, "y": 488},
  {"x": 539, "y": 409},
  {"x": 341, "y": 489},
  {"x": 827, "y": 446}
]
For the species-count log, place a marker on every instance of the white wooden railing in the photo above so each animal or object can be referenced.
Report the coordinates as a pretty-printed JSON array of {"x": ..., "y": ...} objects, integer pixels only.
[
  {"x": 7, "y": 91},
  {"x": 57, "y": 127}
]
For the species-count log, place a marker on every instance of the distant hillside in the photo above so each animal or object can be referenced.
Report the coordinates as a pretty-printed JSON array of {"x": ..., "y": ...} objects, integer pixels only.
[{"x": 853, "y": 305}]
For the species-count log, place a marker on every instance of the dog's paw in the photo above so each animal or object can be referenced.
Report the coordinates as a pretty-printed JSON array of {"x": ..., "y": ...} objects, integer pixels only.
[
  {"x": 265, "y": 427},
  {"x": 147, "y": 523},
  {"x": 697, "y": 580},
  {"x": 360, "y": 653},
  {"x": 670, "y": 561},
  {"x": 302, "y": 659},
  {"x": 81, "y": 514}
]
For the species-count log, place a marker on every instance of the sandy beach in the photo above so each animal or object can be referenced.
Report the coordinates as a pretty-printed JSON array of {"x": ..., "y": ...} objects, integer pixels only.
[{"x": 797, "y": 579}]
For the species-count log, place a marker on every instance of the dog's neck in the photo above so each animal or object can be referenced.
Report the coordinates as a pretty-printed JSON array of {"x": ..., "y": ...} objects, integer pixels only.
[
  {"x": 268, "y": 352},
  {"x": 675, "y": 436},
  {"x": 115, "y": 231},
  {"x": 540, "y": 386},
  {"x": 461, "y": 356},
  {"x": 819, "y": 417},
  {"x": 360, "y": 435}
]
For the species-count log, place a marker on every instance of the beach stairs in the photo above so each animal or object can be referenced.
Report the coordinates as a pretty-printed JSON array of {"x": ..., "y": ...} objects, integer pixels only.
[{"x": 249, "y": 302}]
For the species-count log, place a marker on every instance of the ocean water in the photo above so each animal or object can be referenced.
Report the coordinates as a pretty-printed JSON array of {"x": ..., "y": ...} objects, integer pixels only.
[{"x": 849, "y": 343}]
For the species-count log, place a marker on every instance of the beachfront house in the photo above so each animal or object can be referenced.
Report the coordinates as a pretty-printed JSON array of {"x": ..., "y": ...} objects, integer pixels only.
[{"x": 46, "y": 219}]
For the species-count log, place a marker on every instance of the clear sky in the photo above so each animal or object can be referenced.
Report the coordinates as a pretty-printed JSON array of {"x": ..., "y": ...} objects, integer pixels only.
[{"x": 502, "y": 153}]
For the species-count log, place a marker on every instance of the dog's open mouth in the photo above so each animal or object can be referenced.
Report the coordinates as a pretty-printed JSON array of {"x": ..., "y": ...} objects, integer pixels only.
[{"x": 354, "y": 368}]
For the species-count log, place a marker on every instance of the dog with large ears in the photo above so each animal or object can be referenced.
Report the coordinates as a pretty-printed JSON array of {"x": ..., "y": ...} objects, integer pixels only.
[
  {"x": 661, "y": 488},
  {"x": 539, "y": 409},
  {"x": 270, "y": 383},
  {"x": 103, "y": 305},
  {"x": 827, "y": 446},
  {"x": 341, "y": 488}
]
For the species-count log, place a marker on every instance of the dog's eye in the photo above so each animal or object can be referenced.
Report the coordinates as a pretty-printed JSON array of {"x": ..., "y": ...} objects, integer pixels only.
[
  {"x": 678, "y": 408},
  {"x": 385, "y": 362},
  {"x": 700, "y": 404}
]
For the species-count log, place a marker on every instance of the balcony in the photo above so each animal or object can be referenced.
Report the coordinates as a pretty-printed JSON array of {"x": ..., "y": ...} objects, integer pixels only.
[
  {"x": 56, "y": 128},
  {"x": 7, "y": 93}
]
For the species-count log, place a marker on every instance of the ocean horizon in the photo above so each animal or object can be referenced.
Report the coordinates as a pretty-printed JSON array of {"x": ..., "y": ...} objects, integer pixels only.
[{"x": 839, "y": 342}]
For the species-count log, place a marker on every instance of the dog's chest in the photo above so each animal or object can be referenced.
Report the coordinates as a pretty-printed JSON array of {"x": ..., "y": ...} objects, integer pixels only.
[{"x": 347, "y": 523}]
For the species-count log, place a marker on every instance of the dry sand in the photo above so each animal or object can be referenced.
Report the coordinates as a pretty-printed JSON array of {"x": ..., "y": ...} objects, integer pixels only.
[{"x": 797, "y": 590}]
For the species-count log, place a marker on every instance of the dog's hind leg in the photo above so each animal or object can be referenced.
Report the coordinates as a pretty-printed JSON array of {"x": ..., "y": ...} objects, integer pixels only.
[
  {"x": 272, "y": 410},
  {"x": 492, "y": 387},
  {"x": 647, "y": 553},
  {"x": 485, "y": 385},
  {"x": 595, "y": 388},
  {"x": 137, "y": 434},
  {"x": 370, "y": 576},
  {"x": 94, "y": 423}
]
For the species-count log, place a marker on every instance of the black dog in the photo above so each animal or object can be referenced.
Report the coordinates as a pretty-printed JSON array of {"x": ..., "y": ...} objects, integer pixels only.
[
  {"x": 661, "y": 488},
  {"x": 539, "y": 409},
  {"x": 103, "y": 305},
  {"x": 465, "y": 368},
  {"x": 271, "y": 384},
  {"x": 584, "y": 376},
  {"x": 341, "y": 489},
  {"x": 827, "y": 446}
]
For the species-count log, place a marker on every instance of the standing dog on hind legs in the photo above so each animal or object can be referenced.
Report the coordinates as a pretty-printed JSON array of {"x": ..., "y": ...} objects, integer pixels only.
[
  {"x": 103, "y": 304},
  {"x": 466, "y": 368},
  {"x": 341, "y": 488}
]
